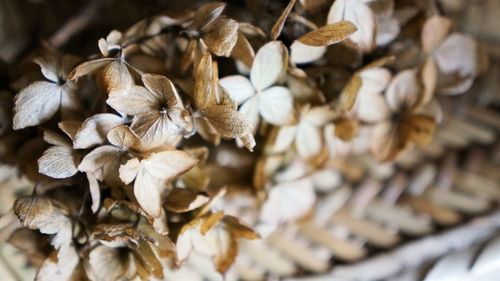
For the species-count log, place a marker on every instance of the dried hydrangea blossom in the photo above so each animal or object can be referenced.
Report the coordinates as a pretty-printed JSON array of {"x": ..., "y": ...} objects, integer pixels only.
[{"x": 136, "y": 162}]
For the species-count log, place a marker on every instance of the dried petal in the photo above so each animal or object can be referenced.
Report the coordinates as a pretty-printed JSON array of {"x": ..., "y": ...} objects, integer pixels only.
[
  {"x": 329, "y": 34},
  {"x": 36, "y": 104}
]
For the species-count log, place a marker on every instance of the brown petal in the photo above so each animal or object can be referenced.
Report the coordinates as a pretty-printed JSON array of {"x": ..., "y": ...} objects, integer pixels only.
[
  {"x": 346, "y": 129},
  {"x": 182, "y": 200},
  {"x": 116, "y": 78},
  {"x": 278, "y": 25},
  {"x": 434, "y": 31},
  {"x": 203, "y": 82},
  {"x": 221, "y": 36},
  {"x": 422, "y": 129},
  {"x": 329, "y": 34},
  {"x": 243, "y": 51},
  {"x": 349, "y": 94},
  {"x": 207, "y": 13}
]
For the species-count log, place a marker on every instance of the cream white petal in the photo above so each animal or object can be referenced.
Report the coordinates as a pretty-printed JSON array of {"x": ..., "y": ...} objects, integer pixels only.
[
  {"x": 269, "y": 64},
  {"x": 239, "y": 87},
  {"x": 276, "y": 106}
]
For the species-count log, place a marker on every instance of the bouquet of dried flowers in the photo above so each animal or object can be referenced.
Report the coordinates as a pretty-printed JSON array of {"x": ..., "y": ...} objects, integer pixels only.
[{"x": 134, "y": 152}]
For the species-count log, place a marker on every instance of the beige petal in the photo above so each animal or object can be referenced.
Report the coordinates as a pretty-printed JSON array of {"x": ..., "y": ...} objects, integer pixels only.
[
  {"x": 183, "y": 200},
  {"x": 89, "y": 67},
  {"x": 239, "y": 87},
  {"x": 225, "y": 246},
  {"x": 370, "y": 105},
  {"x": 95, "y": 192},
  {"x": 434, "y": 31},
  {"x": 278, "y": 25},
  {"x": 319, "y": 115},
  {"x": 458, "y": 55},
  {"x": 123, "y": 137},
  {"x": 116, "y": 78},
  {"x": 284, "y": 139},
  {"x": 206, "y": 130},
  {"x": 288, "y": 201},
  {"x": 250, "y": 109},
  {"x": 106, "y": 263},
  {"x": 428, "y": 77},
  {"x": 154, "y": 129},
  {"x": 203, "y": 82},
  {"x": 276, "y": 106},
  {"x": 329, "y": 34},
  {"x": 190, "y": 238},
  {"x": 228, "y": 122},
  {"x": 301, "y": 53},
  {"x": 221, "y": 36},
  {"x": 308, "y": 141},
  {"x": 163, "y": 88},
  {"x": 148, "y": 192},
  {"x": 58, "y": 162},
  {"x": 70, "y": 104},
  {"x": 363, "y": 18},
  {"x": 137, "y": 101},
  {"x": 350, "y": 92},
  {"x": 270, "y": 63},
  {"x": 104, "y": 163},
  {"x": 36, "y": 104},
  {"x": 98, "y": 157},
  {"x": 94, "y": 129},
  {"x": 49, "y": 66},
  {"x": 128, "y": 171},
  {"x": 167, "y": 165},
  {"x": 403, "y": 91}
]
